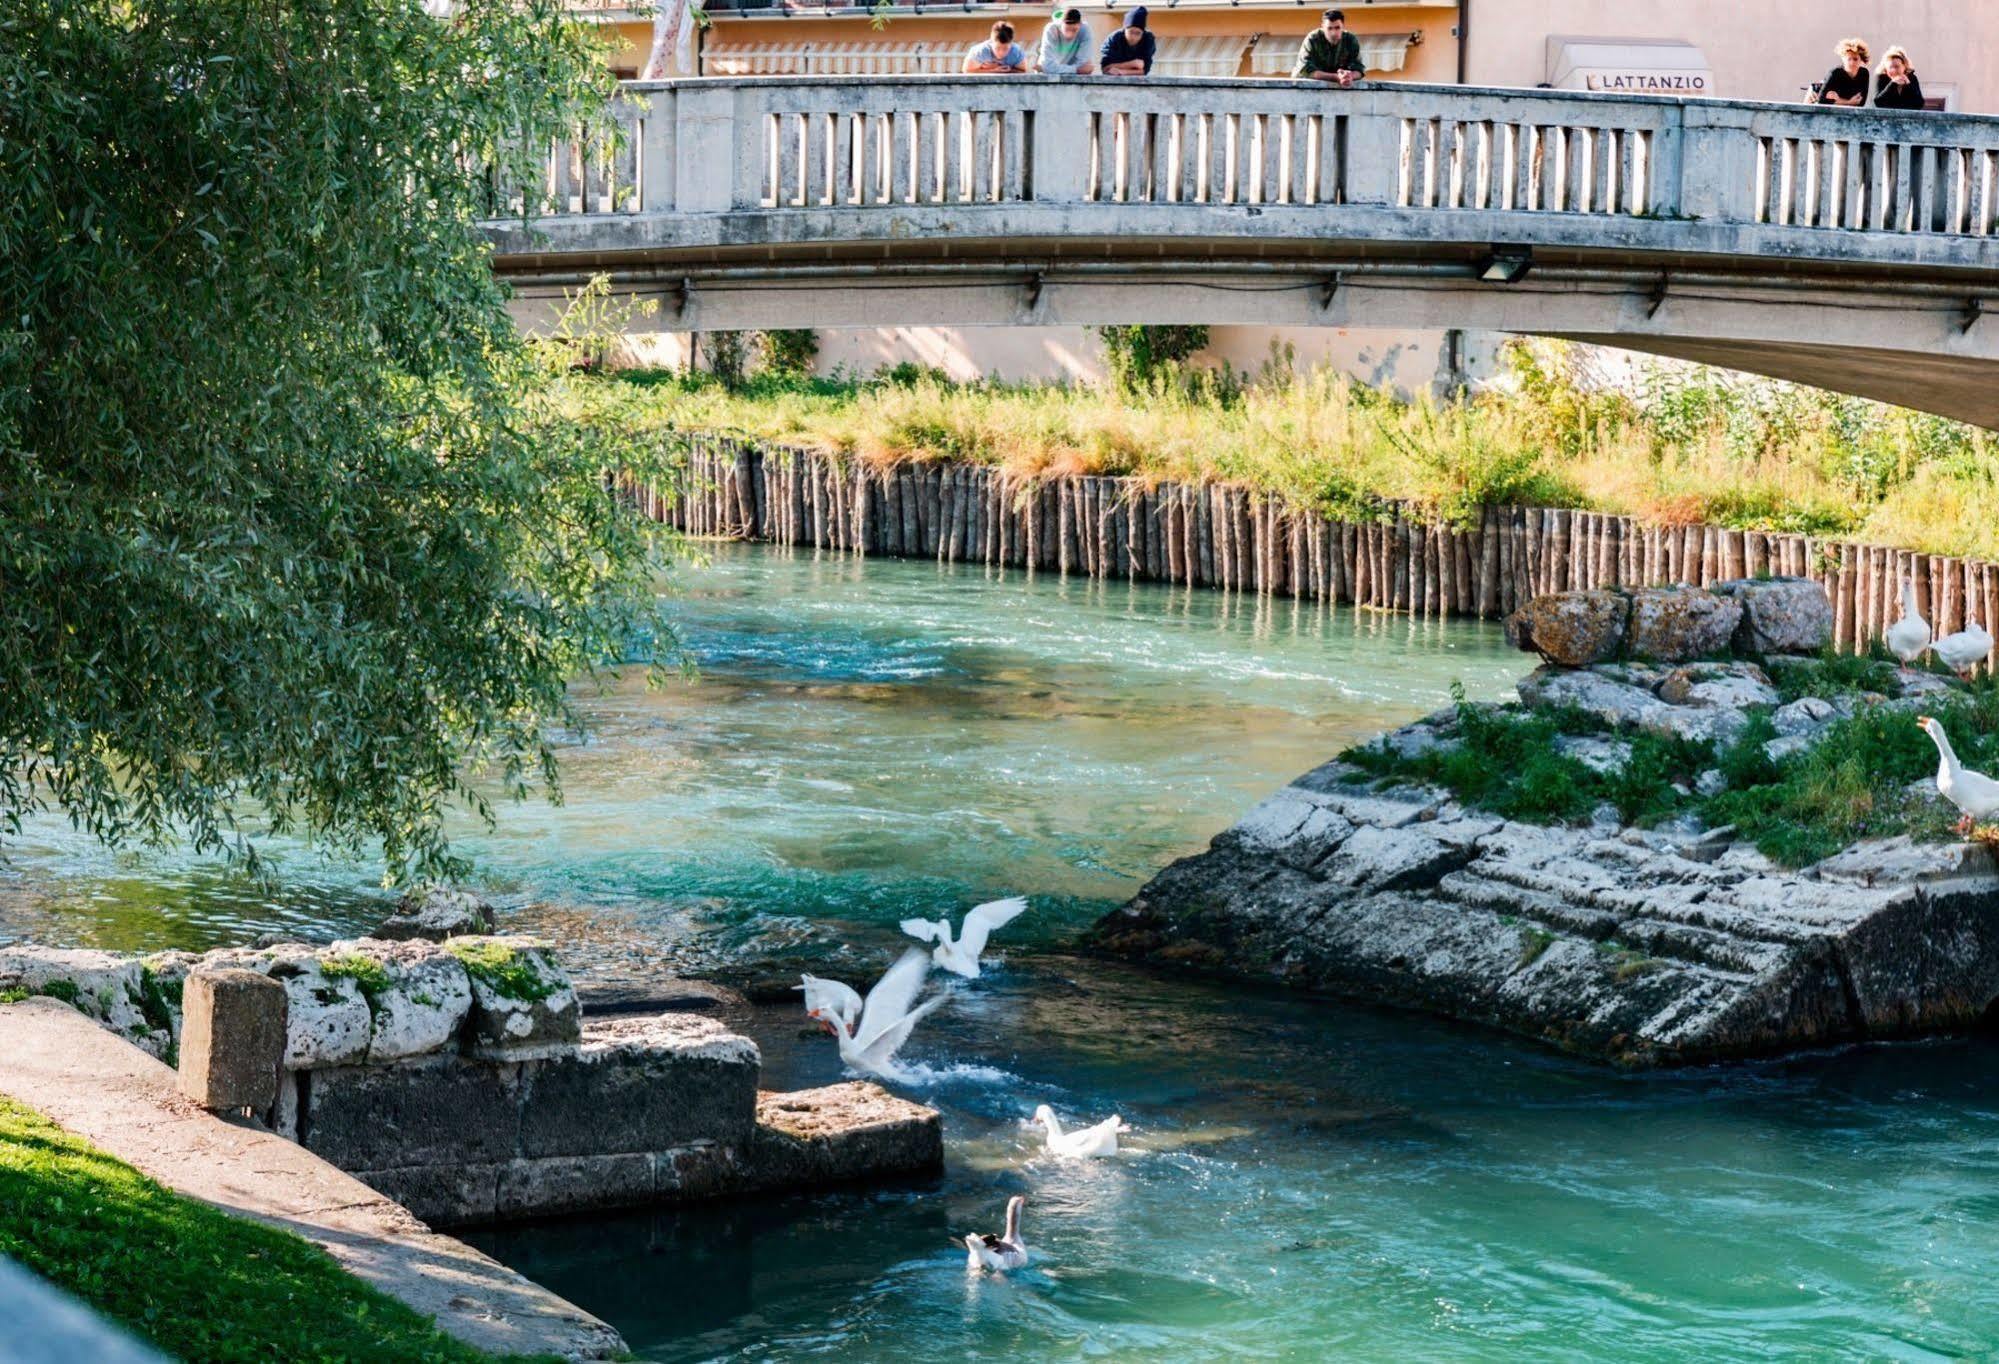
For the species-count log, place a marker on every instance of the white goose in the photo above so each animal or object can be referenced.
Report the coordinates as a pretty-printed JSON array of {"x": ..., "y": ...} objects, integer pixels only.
[
  {"x": 835, "y": 1005},
  {"x": 1964, "y": 650},
  {"x": 962, "y": 956},
  {"x": 887, "y": 1016},
  {"x": 983, "y": 1250},
  {"x": 1908, "y": 637},
  {"x": 1084, "y": 1142},
  {"x": 1976, "y": 794}
]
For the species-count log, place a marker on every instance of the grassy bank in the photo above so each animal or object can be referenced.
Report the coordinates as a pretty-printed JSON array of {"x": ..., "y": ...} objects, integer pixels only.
[
  {"x": 1691, "y": 446},
  {"x": 197, "y": 1283},
  {"x": 1861, "y": 778}
]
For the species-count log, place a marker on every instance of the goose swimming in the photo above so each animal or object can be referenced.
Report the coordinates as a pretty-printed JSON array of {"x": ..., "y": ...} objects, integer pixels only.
[
  {"x": 1098, "y": 1140},
  {"x": 1964, "y": 650},
  {"x": 1974, "y": 793},
  {"x": 983, "y": 1250},
  {"x": 962, "y": 957},
  {"x": 834, "y": 1004},
  {"x": 887, "y": 1016},
  {"x": 1908, "y": 637}
]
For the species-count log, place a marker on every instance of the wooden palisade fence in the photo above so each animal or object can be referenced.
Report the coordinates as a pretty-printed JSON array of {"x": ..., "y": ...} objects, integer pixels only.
[{"x": 1238, "y": 539}]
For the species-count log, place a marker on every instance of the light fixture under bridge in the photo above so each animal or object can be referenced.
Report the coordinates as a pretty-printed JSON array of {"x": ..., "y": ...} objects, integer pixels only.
[{"x": 1507, "y": 265}]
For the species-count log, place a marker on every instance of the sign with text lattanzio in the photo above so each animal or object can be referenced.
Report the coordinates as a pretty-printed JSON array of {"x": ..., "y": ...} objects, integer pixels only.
[{"x": 1647, "y": 82}]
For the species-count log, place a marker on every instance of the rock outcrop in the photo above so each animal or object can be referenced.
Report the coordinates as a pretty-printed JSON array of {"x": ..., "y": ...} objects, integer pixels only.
[
  {"x": 1643, "y": 946},
  {"x": 1635, "y": 946}
]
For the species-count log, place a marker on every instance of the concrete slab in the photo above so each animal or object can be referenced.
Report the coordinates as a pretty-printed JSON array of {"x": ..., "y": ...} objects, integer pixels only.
[{"x": 107, "y": 1091}]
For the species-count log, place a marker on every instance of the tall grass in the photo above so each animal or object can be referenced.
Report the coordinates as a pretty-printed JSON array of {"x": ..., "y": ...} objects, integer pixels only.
[{"x": 1684, "y": 445}]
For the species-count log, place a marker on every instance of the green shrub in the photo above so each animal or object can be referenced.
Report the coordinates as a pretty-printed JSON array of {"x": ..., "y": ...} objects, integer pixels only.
[{"x": 786, "y": 352}]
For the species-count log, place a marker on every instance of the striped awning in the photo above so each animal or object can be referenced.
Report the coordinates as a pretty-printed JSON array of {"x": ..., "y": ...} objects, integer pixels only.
[
  {"x": 832, "y": 59},
  {"x": 1276, "y": 54},
  {"x": 1212, "y": 57},
  {"x": 1215, "y": 58}
]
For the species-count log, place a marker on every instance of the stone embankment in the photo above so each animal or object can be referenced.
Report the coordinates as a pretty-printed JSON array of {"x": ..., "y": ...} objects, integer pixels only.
[
  {"x": 1646, "y": 946},
  {"x": 462, "y": 1079}
]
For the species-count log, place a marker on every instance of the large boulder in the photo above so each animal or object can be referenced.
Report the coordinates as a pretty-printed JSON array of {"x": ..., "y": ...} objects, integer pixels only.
[
  {"x": 1779, "y": 615},
  {"x": 1618, "y": 704},
  {"x": 1572, "y": 629},
  {"x": 1680, "y": 624}
]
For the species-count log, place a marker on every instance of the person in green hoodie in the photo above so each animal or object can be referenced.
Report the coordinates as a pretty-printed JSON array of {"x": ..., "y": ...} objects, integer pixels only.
[{"x": 1330, "y": 53}]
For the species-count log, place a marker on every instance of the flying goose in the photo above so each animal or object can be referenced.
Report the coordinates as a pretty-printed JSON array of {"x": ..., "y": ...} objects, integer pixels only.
[
  {"x": 962, "y": 956},
  {"x": 887, "y": 1016}
]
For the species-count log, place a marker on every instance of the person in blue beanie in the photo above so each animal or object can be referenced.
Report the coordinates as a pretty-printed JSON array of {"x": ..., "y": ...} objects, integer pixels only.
[{"x": 1128, "y": 52}]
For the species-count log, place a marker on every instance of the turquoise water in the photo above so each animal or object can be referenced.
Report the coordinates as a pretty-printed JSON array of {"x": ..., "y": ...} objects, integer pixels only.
[{"x": 1307, "y": 1180}]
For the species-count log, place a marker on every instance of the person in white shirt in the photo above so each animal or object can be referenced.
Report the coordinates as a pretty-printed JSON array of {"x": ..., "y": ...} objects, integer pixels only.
[
  {"x": 1066, "y": 46},
  {"x": 999, "y": 55}
]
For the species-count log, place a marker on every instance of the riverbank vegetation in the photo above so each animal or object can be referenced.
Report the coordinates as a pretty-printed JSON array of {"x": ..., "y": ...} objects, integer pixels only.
[
  {"x": 1866, "y": 776},
  {"x": 1671, "y": 444},
  {"x": 194, "y": 1281},
  {"x": 293, "y": 521}
]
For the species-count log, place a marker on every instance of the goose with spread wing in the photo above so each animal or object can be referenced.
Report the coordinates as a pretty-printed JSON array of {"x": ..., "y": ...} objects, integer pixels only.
[
  {"x": 1973, "y": 793},
  {"x": 887, "y": 1016},
  {"x": 983, "y": 1250},
  {"x": 961, "y": 957}
]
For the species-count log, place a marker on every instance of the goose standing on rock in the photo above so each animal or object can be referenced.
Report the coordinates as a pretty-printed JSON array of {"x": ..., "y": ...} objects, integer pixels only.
[
  {"x": 1976, "y": 794},
  {"x": 1964, "y": 650},
  {"x": 962, "y": 957},
  {"x": 1908, "y": 637},
  {"x": 1084, "y": 1142},
  {"x": 887, "y": 1016},
  {"x": 983, "y": 1250}
]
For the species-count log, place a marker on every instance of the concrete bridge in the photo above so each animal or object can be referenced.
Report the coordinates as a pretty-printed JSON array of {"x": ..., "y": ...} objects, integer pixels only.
[{"x": 1851, "y": 249}]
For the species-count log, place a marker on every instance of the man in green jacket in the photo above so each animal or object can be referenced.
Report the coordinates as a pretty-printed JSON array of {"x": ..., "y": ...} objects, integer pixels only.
[{"x": 1330, "y": 53}]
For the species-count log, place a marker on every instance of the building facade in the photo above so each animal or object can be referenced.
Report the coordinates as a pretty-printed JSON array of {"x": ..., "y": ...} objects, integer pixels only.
[{"x": 1689, "y": 49}]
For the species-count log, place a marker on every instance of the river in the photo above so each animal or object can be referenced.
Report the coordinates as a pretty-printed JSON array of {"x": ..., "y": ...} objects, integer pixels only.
[{"x": 1306, "y": 1180}]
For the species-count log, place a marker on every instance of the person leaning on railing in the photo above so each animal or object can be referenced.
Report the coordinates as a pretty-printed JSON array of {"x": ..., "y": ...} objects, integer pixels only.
[
  {"x": 1846, "y": 84},
  {"x": 1129, "y": 51},
  {"x": 999, "y": 55},
  {"x": 1330, "y": 53},
  {"x": 1897, "y": 87},
  {"x": 1066, "y": 46}
]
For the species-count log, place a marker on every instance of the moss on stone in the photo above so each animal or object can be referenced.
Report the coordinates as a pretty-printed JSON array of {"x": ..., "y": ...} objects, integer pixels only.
[
  {"x": 1534, "y": 942},
  {"x": 370, "y": 975},
  {"x": 506, "y": 972},
  {"x": 64, "y": 990}
]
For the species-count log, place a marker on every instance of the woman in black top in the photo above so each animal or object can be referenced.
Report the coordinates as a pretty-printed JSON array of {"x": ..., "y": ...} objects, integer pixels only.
[
  {"x": 1846, "y": 83},
  {"x": 1898, "y": 87}
]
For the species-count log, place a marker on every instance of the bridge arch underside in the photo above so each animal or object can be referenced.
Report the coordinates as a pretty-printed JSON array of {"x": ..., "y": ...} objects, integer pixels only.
[{"x": 1911, "y": 335}]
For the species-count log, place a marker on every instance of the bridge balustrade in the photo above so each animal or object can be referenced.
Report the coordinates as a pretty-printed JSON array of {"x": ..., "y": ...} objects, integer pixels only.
[{"x": 720, "y": 146}]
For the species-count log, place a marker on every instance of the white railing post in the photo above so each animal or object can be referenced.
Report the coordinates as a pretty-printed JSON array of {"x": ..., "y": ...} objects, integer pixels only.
[
  {"x": 654, "y": 130},
  {"x": 1717, "y": 170},
  {"x": 705, "y": 123},
  {"x": 1372, "y": 166},
  {"x": 1059, "y": 151}
]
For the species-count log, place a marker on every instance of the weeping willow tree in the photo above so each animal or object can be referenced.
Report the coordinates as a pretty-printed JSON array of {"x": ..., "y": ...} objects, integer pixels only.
[{"x": 290, "y": 539}]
